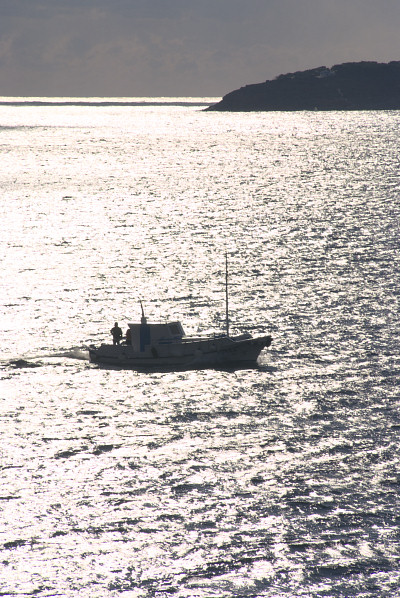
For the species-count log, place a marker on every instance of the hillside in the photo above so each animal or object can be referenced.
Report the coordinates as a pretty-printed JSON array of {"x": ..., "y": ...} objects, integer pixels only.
[{"x": 348, "y": 86}]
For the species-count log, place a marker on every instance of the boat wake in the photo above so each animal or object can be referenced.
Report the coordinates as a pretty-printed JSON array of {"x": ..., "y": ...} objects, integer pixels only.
[
  {"x": 42, "y": 360},
  {"x": 23, "y": 363},
  {"x": 75, "y": 354}
]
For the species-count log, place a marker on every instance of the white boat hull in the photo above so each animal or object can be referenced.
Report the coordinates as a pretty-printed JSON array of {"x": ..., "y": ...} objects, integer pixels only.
[{"x": 188, "y": 354}]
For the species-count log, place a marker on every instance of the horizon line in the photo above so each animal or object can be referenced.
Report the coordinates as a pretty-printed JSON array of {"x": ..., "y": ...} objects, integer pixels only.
[{"x": 107, "y": 100}]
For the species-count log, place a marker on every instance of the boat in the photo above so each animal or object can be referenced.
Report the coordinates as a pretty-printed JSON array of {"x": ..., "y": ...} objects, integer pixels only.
[{"x": 165, "y": 346}]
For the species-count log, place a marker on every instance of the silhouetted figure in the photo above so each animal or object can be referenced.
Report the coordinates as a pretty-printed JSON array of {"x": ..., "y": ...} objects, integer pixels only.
[
  {"x": 116, "y": 334},
  {"x": 128, "y": 337}
]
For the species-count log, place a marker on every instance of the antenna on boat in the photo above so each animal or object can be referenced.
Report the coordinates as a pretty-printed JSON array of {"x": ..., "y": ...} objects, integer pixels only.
[
  {"x": 143, "y": 316},
  {"x": 226, "y": 295}
]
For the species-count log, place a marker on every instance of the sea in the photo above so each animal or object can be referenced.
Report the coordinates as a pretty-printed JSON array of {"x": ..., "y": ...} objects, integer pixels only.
[{"x": 280, "y": 480}]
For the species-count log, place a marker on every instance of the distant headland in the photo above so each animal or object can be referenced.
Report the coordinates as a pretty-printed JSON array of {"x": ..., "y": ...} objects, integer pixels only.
[{"x": 348, "y": 86}]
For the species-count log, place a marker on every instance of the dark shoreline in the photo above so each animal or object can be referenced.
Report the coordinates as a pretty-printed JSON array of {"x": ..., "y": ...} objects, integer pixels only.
[{"x": 348, "y": 86}]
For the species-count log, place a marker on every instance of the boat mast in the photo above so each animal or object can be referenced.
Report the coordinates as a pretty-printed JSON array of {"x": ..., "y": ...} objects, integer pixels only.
[
  {"x": 143, "y": 320},
  {"x": 226, "y": 296}
]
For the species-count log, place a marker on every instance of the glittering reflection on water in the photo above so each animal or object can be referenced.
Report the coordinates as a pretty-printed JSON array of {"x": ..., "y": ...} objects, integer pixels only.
[{"x": 280, "y": 480}]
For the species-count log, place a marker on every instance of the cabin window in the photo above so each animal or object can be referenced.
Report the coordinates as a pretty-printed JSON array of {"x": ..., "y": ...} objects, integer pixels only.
[{"x": 174, "y": 329}]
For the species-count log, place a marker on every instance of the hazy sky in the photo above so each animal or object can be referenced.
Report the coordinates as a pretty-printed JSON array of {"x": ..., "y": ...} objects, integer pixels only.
[{"x": 182, "y": 47}]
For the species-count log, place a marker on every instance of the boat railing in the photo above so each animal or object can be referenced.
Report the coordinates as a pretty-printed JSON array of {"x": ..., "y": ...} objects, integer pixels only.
[{"x": 192, "y": 339}]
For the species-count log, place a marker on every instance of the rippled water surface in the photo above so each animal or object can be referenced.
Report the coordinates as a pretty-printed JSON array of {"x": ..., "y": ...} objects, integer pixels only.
[{"x": 278, "y": 481}]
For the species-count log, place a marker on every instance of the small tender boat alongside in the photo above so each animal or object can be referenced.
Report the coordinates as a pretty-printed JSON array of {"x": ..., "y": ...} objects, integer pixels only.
[{"x": 152, "y": 346}]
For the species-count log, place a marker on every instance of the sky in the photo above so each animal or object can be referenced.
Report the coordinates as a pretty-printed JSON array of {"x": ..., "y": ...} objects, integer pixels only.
[{"x": 144, "y": 48}]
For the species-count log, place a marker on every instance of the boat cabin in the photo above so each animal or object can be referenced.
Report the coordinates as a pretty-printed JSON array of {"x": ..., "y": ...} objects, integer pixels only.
[{"x": 144, "y": 335}]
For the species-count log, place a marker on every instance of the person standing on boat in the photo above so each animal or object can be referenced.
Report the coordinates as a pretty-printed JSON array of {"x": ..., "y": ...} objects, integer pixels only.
[{"x": 116, "y": 334}]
